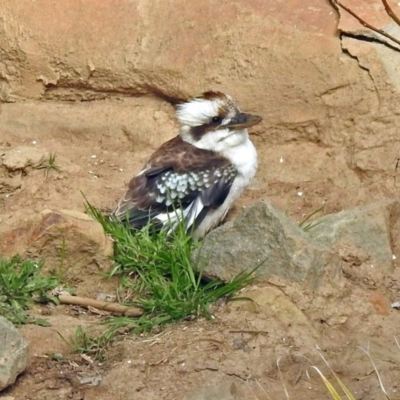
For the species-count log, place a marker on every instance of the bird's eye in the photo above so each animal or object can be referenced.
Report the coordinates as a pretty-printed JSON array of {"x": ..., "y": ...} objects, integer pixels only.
[{"x": 216, "y": 120}]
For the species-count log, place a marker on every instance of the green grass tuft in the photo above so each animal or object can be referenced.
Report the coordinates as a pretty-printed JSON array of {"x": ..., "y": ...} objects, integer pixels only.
[
  {"x": 50, "y": 164},
  {"x": 159, "y": 270},
  {"x": 60, "y": 271},
  {"x": 306, "y": 225},
  {"x": 82, "y": 343},
  {"x": 20, "y": 285}
]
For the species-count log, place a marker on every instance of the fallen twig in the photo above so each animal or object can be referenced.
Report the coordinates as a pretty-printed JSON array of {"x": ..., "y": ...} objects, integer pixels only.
[
  {"x": 390, "y": 12},
  {"x": 101, "y": 305},
  {"x": 251, "y": 332},
  {"x": 164, "y": 359}
]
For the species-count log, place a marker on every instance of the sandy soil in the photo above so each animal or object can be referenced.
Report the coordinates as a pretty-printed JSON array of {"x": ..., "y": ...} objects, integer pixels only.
[{"x": 99, "y": 146}]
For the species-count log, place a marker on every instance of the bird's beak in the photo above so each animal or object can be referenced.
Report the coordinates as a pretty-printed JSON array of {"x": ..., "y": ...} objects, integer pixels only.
[{"x": 242, "y": 120}]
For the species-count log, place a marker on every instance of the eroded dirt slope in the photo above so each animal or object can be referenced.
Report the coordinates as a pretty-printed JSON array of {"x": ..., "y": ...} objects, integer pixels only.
[{"x": 96, "y": 86}]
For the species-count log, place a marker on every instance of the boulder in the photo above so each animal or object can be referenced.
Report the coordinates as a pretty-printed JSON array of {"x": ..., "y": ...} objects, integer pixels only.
[
  {"x": 361, "y": 237},
  {"x": 14, "y": 353},
  {"x": 362, "y": 241},
  {"x": 264, "y": 236}
]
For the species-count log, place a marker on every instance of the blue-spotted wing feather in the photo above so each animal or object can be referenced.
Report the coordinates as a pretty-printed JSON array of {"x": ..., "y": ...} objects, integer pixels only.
[{"x": 179, "y": 180}]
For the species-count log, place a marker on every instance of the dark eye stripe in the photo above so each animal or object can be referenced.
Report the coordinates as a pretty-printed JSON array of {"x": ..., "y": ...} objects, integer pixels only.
[{"x": 198, "y": 131}]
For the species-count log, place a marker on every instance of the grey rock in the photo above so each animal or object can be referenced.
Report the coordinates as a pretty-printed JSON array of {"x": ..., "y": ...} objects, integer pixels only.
[
  {"x": 361, "y": 237},
  {"x": 264, "y": 235},
  {"x": 222, "y": 391},
  {"x": 14, "y": 353}
]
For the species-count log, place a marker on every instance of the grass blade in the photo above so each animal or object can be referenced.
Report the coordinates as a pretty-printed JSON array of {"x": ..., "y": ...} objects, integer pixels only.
[{"x": 332, "y": 391}]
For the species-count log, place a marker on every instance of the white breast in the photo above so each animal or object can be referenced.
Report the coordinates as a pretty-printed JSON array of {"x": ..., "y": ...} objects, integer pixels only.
[{"x": 244, "y": 158}]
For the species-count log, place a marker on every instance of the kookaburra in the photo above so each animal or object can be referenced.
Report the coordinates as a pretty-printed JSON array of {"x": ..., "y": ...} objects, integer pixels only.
[{"x": 198, "y": 175}]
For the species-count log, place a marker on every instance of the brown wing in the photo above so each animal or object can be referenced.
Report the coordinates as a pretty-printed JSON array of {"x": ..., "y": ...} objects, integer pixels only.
[
  {"x": 185, "y": 157},
  {"x": 177, "y": 176}
]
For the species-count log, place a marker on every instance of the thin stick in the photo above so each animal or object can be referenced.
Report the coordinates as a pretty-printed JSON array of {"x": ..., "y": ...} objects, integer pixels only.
[
  {"x": 397, "y": 342},
  {"x": 366, "y": 24},
  {"x": 376, "y": 370},
  {"x": 390, "y": 12},
  {"x": 282, "y": 380},
  {"x": 101, "y": 305},
  {"x": 164, "y": 359},
  {"x": 251, "y": 332}
]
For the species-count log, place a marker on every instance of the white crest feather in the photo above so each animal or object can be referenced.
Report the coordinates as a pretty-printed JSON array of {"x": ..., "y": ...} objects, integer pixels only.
[{"x": 197, "y": 112}]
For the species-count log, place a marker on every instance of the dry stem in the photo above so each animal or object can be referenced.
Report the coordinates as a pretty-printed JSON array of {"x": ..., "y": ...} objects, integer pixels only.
[{"x": 101, "y": 305}]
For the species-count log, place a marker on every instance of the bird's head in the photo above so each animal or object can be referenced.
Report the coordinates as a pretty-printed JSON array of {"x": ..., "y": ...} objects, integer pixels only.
[{"x": 213, "y": 121}]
